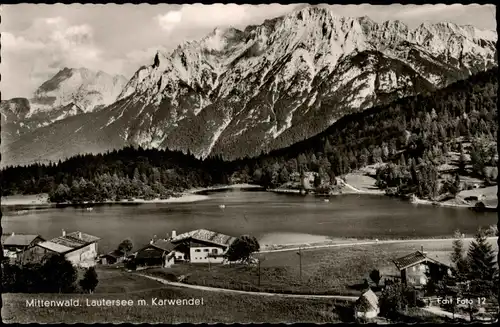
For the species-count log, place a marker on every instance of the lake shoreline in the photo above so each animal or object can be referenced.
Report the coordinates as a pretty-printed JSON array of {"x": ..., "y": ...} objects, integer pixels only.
[
  {"x": 183, "y": 198},
  {"x": 40, "y": 201},
  {"x": 187, "y": 196}
]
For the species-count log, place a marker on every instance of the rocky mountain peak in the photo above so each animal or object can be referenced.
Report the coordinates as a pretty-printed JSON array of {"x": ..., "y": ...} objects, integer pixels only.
[
  {"x": 86, "y": 88},
  {"x": 239, "y": 92}
]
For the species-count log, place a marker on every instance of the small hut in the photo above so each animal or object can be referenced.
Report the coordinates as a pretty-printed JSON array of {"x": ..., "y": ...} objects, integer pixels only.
[{"x": 367, "y": 305}]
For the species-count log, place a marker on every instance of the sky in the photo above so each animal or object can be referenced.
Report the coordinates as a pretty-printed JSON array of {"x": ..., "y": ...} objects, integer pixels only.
[{"x": 39, "y": 40}]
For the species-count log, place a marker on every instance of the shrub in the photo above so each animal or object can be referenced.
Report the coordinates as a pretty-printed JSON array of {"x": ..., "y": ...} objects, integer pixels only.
[
  {"x": 59, "y": 275},
  {"x": 375, "y": 276},
  {"x": 89, "y": 281},
  {"x": 242, "y": 248},
  {"x": 395, "y": 298}
]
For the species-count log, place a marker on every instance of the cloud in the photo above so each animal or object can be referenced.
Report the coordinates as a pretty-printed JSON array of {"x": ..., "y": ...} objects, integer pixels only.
[
  {"x": 137, "y": 58},
  {"x": 199, "y": 16},
  {"x": 169, "y": 20},
  {"x": 12, "y": 42},
  {"x": 40, "y": 51}
]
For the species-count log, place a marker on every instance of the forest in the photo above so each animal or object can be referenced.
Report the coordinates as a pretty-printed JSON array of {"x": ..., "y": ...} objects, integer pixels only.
[
  {"x": 413, "y": 134},
  {"x": 117, "y": 175}
]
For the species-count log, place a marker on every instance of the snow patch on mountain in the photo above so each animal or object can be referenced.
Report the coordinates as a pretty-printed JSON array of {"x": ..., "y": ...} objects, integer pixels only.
[
  {"x": 85, "y": 88},
  {"x": 215, "y": 137}
]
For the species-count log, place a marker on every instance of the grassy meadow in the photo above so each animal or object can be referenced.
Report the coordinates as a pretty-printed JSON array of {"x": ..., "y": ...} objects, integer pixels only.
[
  {"x": 117, "y": 284},
  {"x": 336, "y": 271}
]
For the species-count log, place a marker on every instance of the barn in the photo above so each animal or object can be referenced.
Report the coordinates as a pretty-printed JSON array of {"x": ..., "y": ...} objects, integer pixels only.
[
  {"x": 156, "y": 253},
  {"x": 367, "y": 305},
  {"x": 15, "y": 246}
]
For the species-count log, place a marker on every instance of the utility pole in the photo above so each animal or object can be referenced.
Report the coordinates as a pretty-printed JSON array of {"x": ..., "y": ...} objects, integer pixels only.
[
  {"x": 300, "y": 263},
  {"x": 259, "y": 260},
  {"x": 259, "y": 272}
]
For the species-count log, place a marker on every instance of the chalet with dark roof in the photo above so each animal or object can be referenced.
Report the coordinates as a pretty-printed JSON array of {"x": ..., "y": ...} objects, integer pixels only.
[
  {"x": 14, "y": 245},
  {"x": 417, "y": 268},
  {"x": 112, "y": 257},
  {"x": 156, "y": 253}
]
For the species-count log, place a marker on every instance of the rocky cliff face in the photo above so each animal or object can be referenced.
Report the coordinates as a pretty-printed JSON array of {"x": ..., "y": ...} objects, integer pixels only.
[
  {"x": 82, "y": 87},
  {"x": 70, "y": 92},
  {"x": 238, "y": 93}
]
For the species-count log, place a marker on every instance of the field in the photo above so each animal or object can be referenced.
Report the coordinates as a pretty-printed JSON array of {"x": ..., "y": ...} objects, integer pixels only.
[
  {"x": 324, "y": 271},
  {"x": 42, "y": 198},
  {"x": 116, "y": 284},
  {"x": 362, "y": 183},
  {"x": 335, "y": 271}
]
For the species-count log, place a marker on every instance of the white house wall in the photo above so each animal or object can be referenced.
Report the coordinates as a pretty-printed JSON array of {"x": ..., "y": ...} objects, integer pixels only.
[
  {"x": 84, "y": 257},
  {"x": 179, "y": 255},
  {"x": 200, "y": 254}
]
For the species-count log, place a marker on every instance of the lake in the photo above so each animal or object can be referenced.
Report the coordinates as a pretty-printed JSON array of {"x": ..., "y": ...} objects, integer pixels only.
[{"x": 272, "y": 218}]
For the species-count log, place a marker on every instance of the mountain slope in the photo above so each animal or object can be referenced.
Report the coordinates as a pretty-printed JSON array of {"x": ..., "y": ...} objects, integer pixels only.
[
  {"x": 68, "y": 93},
  {"x": 237, "y": 93},
  {"x": 84, "y": 88}
]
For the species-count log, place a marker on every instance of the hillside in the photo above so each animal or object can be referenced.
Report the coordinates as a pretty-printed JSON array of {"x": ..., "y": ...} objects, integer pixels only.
[{"x": 419, "y": 135}]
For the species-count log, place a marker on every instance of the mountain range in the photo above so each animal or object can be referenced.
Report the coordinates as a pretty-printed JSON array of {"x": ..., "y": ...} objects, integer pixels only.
[
  {"x": 70, "y": 92},
  {"x": 238, "y": 93}
]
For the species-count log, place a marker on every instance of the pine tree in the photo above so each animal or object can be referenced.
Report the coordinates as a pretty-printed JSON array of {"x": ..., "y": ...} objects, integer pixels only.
[
  {"x": 328, "y": 147},
  {"x": 462, "y": 162},
  {"x": 456, "y": 185},
  {"x": 458, "y": 256},
  {"x": 402, "y": 160},
  {"x": 481, "y": 259}
]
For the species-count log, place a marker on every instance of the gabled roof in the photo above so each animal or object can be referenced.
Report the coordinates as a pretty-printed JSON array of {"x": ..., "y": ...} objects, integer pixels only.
[
  {"x": 83, "y": 236},
  {"x": 413, "y": 259},
  {"x": 75, "y": 239},
  {"x": 164, "y": 245},
  {"x": 69, "y": 242},
  {"x": 371, "y": 298},
  {"x": 59, "y": 248},
  {"x": 18, "y": 239},
  {"x": 115, "y": 254},
  {"x": 205, "y": 235}
]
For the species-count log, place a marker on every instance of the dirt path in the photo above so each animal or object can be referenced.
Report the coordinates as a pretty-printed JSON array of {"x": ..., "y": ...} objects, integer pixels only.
[
  {"x": 350, "y": 186},
  {"x": 440, "y": 312},
  {"x": 225, "y": 290},
  {"x": 367, "y": 243}
]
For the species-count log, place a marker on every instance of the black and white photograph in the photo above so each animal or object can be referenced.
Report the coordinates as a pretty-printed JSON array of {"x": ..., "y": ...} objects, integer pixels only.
[{"x": 249, "y": 163}]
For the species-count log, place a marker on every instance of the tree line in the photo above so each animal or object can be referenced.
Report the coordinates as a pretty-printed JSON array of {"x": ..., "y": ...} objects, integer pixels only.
[{"x": 116, "y": 175}]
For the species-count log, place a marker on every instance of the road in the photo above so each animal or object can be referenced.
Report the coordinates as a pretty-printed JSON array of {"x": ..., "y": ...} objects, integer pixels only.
[
  {"x": 368, "y": 243},
  {"x": 224, "y": 290}
]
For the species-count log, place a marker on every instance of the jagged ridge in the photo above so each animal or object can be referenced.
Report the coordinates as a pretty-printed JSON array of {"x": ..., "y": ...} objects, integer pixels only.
[{"x": 238, "y": 93}]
